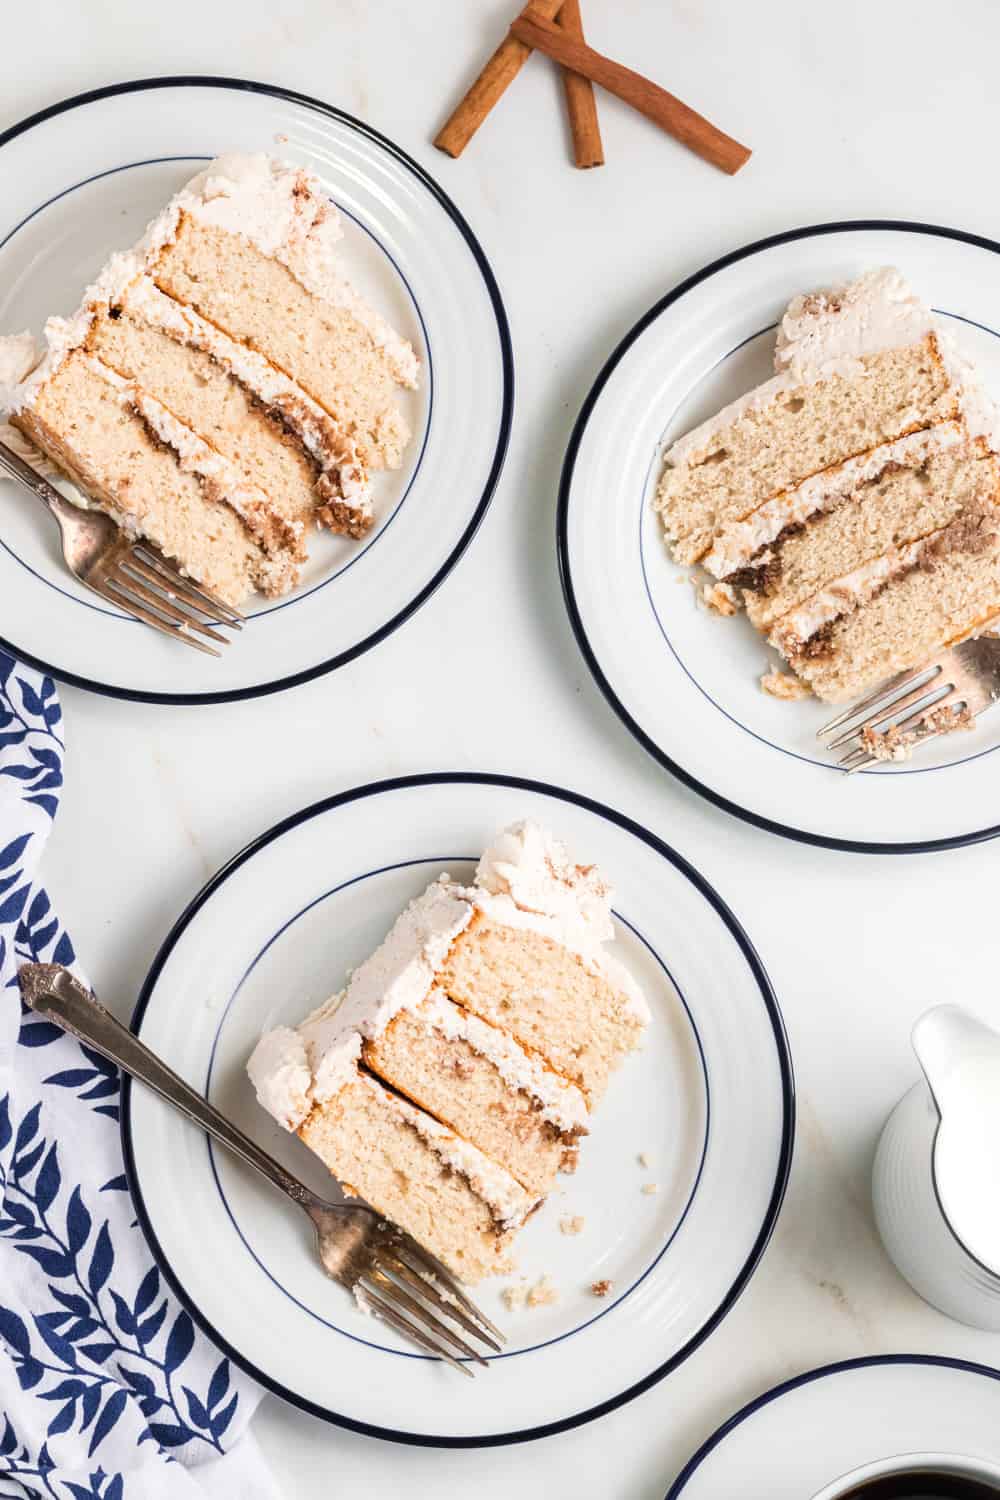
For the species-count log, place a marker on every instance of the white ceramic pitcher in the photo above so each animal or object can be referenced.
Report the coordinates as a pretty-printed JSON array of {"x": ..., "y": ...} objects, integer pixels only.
[{"x": 936, "y": 1180}]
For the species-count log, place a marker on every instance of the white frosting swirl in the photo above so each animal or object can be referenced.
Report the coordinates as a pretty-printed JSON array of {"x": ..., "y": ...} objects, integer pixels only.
[{"x": 835, "y": 327}]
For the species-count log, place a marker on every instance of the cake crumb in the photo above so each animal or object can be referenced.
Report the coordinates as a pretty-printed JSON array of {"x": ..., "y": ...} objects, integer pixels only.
[
  {"x": 895, "y": 744},
  {"x": 514, "y": 1296},
  {"x": 644, "y": 1159},
  {"x": 888, "y": 744},
  {"x": 281, "y": 139},
  {"x": 572, "y": 1223},
  {"x": 785, "y": 685},
  {"x": 543, "y": 1294},
  {"x": 601, "y": 1288},
  {"x": 570, "y": 1160},
  {"x": 949, "y": 720},
  {"x": 718, "y": 597},
  {"x": 649, "y": 1188}
]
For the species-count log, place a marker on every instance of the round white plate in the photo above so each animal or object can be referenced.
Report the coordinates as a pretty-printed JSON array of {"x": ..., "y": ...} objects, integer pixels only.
[
  {"x": 804, "y": 1434},
  {"x": 82, "y": 179},
  {"x": 709, "y": 1100},
  {"x": 686, "y": 682}
]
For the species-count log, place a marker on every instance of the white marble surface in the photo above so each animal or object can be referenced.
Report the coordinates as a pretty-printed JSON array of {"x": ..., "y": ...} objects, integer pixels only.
[{"x": 853, "y": 109}]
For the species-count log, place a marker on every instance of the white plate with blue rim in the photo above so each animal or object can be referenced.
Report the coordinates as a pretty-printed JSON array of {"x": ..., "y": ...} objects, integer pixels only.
[
  {"x": 83, "y": 178},
  {"x": 708, "y": 1104},
  {"x": 687, "y": 682},
  {"x": 798, "y": 1440}
]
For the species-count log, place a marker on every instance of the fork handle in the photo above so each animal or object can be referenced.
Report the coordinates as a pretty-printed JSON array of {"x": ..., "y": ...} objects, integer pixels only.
[
  {"x": 52, "y": 991},
  {"x": 17, "y": 468}
]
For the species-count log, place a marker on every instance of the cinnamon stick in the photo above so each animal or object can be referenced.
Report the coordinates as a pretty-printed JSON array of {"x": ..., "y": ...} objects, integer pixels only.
[
  {"x": 588, "y": 149},
  {"x": 492, "y": 83},
  {"x": 676, "y": 118}
]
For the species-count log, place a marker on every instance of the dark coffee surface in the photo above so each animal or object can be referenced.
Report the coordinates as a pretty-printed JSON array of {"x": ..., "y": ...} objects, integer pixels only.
[{"x": 922, "y": 1484}]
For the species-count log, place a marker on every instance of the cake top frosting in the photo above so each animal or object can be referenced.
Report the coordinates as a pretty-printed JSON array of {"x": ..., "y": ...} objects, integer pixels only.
[
  {"x": 524, "y": 879},
  {"x": 878, "y": 311}
]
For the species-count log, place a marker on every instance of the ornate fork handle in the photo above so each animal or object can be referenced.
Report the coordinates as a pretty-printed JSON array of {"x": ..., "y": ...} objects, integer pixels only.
[
  {"x": 17, "y": 468},
  {"x": 52, "y": 991}
]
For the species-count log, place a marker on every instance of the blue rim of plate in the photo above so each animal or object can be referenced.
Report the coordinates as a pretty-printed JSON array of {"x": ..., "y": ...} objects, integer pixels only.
[
  {"x": 768, "y": 997},
  {"x": 319, "y": 669},
  {"x": 942, "y": 1361},
  {"x": 757, "y": 820}
]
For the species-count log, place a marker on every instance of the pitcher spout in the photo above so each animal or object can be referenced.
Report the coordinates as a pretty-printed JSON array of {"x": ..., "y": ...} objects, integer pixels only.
[{"x": 948, "y": 1040}]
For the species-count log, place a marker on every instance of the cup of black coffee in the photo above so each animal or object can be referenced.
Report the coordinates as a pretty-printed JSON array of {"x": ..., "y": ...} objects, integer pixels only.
[{"x": 918, "y": 1476}]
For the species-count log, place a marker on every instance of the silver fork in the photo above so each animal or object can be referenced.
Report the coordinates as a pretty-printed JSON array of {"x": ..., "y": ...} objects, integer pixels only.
[
  {"x": 389, "y": 1274},
  {"x": 133, "y": 575},
  {"x": 966, "y": 678}
]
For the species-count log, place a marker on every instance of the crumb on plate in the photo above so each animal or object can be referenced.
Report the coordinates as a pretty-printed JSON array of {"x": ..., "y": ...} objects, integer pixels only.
[
  {"x": 543, "y": 1294},
  {"x": 572, "y": 1223},
  {"x": 784, "y": 685},
  {"x": 601, "y": 1288},
  {"x": 718, "y": 597}
]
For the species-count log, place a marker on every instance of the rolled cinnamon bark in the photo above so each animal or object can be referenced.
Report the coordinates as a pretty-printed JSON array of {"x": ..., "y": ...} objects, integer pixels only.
[
  {"x": 491, "y": 85},
  {"x": 588, "y": 148},
  {"x": 664, "y": 109}
]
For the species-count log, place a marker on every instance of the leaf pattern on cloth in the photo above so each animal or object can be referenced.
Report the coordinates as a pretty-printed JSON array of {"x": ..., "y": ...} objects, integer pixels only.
[{"x": 104, "y": 1381}]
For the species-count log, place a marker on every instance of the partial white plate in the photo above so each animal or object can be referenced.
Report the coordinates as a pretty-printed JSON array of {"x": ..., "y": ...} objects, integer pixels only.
[
  {"x": 709, "y": 1100},
  {"x": 806, "y": 1433},
  {"x": 82, "y": 179},
  {"x": 686, "y": 682}
]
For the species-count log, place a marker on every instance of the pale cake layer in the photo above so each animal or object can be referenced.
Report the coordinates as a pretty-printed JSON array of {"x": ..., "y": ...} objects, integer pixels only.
[
  {"x": 950, "y": 593},
  {"x": 376, "y": 1154},
  {"x": 342, "y": 485},
  {"x": 326, "y": 349},
  {"x": 546, "y": 996},
  {"x": 901, "y": 505},
  {"x": 205, "y": 397},
  {"x": 459, "y": 1085},
  {"x": 115, "y": 458},
  {"x": 744, "y": 544},
  {"x": 805, "y": 428}
]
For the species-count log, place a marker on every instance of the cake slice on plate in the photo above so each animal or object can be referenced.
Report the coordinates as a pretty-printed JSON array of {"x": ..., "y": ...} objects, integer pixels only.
[
  {"x": 852, "y": 502},
  {"x": 225, "y": 353},
  {"x": 441, "y": 1035},
  {"x": 454, "y": 1199}
]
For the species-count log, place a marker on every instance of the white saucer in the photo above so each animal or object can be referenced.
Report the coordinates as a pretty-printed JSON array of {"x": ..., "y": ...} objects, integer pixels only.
[
  {"x": 687, "y": 682},
  {"x": 82, "y": 179},
  {"x": 801, "y": 1436},
  {"x": 708, "y": 1100}
]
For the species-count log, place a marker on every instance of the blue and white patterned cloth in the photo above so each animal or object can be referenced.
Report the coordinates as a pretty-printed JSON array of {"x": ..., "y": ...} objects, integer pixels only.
[{"x": 104, "y": 1381}]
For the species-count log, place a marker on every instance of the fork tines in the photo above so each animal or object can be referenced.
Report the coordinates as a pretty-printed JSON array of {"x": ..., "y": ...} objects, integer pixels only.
[
  {"x": 411, "y": 1290},
  {"x": 141, "y": 580},
  {"x": 914, "y": 694}
]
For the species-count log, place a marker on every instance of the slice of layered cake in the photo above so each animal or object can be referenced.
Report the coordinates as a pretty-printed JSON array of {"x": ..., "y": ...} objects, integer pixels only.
[
  {"x": 459, "y": 1203},
  {"x": 851, "y": 502},
  {"x": 466, "y": 1053},
  {"x": 223, "y": 389}
]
